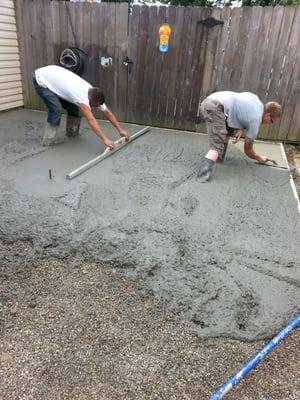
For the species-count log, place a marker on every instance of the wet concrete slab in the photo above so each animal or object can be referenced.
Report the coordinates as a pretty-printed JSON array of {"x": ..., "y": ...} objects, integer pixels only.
[{"x": 222, "y": 256}]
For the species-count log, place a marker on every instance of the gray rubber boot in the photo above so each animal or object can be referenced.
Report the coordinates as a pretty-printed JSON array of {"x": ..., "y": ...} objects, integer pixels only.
[
  {"x": 73, "y": 125},
  {"x": 52, "y": 136}
]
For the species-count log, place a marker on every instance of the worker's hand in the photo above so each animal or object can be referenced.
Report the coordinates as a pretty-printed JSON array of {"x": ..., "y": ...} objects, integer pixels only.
[
  {"x": 263, "y": 159},
  {"x": 124, "y": 134},
  {"x": 238, "y": 135},
  {"x": 205, "y": 169},
  {"x": 109, "y": 143}
]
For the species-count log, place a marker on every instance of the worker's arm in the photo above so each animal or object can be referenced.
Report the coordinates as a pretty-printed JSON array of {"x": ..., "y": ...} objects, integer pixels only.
[
  {"x": 238, "y": 134},
  {"x": 86, "y": 111},
  {"x": 249, "y": 151},
  {"x": 113, "y": 120}
]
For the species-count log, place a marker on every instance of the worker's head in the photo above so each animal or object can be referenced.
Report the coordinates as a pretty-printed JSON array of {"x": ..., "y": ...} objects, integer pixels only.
[
  {"x": 96, "y": 97},
  {"x": 272, "y": 112}
]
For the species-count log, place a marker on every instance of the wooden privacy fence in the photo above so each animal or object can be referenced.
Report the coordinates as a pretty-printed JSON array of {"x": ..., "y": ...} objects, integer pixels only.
[{"x": 249, "y": 49}]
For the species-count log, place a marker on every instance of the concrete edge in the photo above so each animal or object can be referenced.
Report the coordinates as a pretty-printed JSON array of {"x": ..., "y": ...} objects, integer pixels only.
[{"x": 292, "y": 183}]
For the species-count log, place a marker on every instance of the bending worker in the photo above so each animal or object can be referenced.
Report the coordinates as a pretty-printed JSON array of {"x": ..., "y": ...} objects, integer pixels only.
[
  {"x": 60, "y": 88},
  {"x": 228, "y": 113}
]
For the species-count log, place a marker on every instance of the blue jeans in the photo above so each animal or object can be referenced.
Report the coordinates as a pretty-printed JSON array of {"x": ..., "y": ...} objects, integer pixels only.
[{"x": 55, "y": 104}]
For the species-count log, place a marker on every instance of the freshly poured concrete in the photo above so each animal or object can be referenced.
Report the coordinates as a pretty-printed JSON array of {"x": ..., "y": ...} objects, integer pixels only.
[{"x": 224, "y": 256}]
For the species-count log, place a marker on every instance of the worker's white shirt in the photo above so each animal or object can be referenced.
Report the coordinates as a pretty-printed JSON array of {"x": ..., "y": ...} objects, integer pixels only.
[
  {"x": 243, "y": 110},
  {"x": 65, "y": 84}
]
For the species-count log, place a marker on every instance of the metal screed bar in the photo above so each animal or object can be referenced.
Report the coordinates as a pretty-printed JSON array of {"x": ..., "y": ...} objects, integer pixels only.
[{"x": 119, "y": 145}]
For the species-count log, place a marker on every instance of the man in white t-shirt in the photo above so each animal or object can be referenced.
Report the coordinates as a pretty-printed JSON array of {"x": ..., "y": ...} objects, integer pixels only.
[
  {"x": 60, "y": 88},
  {"x": 230, "y": 112}
]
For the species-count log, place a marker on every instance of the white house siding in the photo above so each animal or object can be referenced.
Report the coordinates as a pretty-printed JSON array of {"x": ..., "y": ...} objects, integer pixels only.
[{"x": 10, "y": 71}]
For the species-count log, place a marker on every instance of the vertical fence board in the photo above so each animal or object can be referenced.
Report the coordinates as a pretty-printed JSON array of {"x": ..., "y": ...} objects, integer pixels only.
[
  {"x": 290, "y": 94},
  {"x": 148, "y": 65},
  {"x": 156, "y": 93},
  {"x": 275, "y": 91},
  {"x": 207, "y": 69},
  {"x": 248, "y": 77},
  {"x": 143, "y": 34},
  {"x": 182, "y": 70},
  {"x": 229, "y": 60},
  {"x": 196, "y": 65},
  {"x": 132, "y": 88},
  {"x": 121, "y": 72},
  {"x": 23, "y": 53},
  {"x": 220, "y": 52},
  {"x": 210, "y": 56},
  {"x": 176, "y": 42},
  {"x": 166, "y": 69}
]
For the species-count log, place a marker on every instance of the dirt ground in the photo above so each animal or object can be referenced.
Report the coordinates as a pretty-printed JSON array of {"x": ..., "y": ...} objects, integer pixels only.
[
  {"x": 293, "y": 157},
  {"x": 82, "y": 331},
  {"x": 102, "y": 301}
]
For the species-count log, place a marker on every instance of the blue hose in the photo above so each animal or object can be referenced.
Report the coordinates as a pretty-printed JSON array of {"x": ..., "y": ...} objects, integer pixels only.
[{"x": 244, "y": 371}]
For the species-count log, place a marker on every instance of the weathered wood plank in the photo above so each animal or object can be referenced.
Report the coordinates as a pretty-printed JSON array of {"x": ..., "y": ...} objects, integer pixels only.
[
  {"x": 174, "y": 59},
  {"x": 132, "y": 81},
  {"x": 98, "y": 29},
  {"x": 108, "y": 40},
  {"x": 290, "y": 86},
  {"x": 167, "y": 61},
  {"x": 120, "y": 55},
  {"x": 201, "y": 66},
  {"x": 21, "y": 43},
  {"x": 220, "y": 52},
  {"x": 197, "y": 42},
  {"x": 275, "y": 92},
  {"x": 145, "y": 65},
  {"x": 183, "y": 55}
]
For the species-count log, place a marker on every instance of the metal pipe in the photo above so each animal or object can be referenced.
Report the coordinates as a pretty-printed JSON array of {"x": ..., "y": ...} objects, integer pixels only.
[
  {"x": 107, "y": 152},
  {"x": 244, "y": 371}
]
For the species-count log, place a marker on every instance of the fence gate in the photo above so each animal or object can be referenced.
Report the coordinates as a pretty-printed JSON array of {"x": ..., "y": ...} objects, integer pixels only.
[{"x": 164, "y": 88}]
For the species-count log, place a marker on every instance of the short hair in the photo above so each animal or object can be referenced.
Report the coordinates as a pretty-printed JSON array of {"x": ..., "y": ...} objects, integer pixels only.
[
  {"x": 274, "y": 109},
  {"x": 96, "y": 95}
]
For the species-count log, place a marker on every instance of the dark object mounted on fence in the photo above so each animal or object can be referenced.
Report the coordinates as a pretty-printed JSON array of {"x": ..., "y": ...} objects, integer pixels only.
[
  {"x": 210, "y": 22},
  {"x": 128, "y": 63},
  {"x": 72, "y": 58}
]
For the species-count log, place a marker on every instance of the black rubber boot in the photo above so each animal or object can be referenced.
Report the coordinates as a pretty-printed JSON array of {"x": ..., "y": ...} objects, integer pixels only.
[{"x": 73, "y": 125}]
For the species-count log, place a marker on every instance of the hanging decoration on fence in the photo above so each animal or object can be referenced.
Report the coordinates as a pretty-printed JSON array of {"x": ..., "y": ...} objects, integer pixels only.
[
  {"x": 72, "y": 58},
  {"x": 105, "y": 61},
  {"x": 164, "y": 36}
]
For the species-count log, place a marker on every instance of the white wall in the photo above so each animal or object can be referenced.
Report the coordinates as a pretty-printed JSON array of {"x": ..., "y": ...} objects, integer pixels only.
[{"x": 10, "y": 73}]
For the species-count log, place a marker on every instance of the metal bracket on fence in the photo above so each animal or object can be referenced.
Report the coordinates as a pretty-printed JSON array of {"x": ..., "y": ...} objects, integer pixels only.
[{"x": 210, "y": 22}]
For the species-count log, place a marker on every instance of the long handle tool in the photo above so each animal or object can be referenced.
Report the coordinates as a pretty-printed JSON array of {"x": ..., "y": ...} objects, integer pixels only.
[
  {"x": 119, "y": 144},
  {"x": 248, "y": 367}
]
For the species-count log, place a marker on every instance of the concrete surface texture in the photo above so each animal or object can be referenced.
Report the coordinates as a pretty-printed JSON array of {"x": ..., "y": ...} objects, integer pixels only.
[{"x": 222, "y": 256}]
